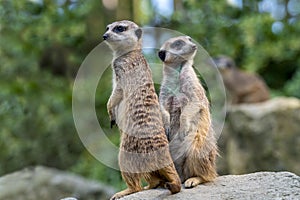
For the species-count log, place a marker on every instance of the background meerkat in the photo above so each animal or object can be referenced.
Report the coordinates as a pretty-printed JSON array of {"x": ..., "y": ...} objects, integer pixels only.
[
  {"x": 243, "y": 87},
  {"x": 186, "y": 114},
  {"x": 133, "y": 105}
]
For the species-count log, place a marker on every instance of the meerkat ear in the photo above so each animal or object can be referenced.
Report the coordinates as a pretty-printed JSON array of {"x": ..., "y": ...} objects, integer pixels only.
[{"x": 138, "y": 33}]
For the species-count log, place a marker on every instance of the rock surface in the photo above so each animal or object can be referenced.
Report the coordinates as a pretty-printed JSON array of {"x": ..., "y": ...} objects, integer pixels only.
[
  {"x": 261, "y": 137},
  {"x": 258, "y": 186},
  {"x": 41, "y": 183}
]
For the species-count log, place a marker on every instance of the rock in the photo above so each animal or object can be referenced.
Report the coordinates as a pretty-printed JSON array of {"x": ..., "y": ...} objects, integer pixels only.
[
  {"x": 50, "y": 184},
  {"x": 262, "y": 137},
  {"x": 258, "y": 186}
]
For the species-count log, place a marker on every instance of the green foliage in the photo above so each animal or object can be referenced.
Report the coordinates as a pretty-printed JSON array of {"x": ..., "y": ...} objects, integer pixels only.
[
  {"x": 36, "y": 123},
  {"x": 292, "y": 87},
  {"x": 92, "y": 168},
  {"x": 247, "y": 35},
  {"x": 275, "y": 56},
  {"x": 37, "y": 126}
]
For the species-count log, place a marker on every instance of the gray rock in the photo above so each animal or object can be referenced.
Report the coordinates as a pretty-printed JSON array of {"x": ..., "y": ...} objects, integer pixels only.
[
  {"x": 258, "y": 186},
  {"x": 261, "y": 137},
  {"x": 50, "y": 184}
]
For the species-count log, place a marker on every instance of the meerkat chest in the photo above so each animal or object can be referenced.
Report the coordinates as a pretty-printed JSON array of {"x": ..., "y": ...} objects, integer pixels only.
[
  {"x": 177, "y": 99},
  {"x": 132, "y": 72}
]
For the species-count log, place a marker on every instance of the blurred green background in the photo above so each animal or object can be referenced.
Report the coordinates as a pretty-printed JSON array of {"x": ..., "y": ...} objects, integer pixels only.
[{"x": 44, "y": 42}]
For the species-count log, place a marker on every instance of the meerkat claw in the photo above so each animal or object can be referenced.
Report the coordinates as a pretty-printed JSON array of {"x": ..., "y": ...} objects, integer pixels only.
[
  {"x": 112, "y": 123},
  {"x": 167, "y": 131}
]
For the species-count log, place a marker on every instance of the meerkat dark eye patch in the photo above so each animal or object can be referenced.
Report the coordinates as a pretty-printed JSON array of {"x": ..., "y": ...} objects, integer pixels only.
[
  {"x": 106, "y": 29},
  {"x": 138, "y": 33},
  {"x": 119, "y": 29},
  {"x": 162, "y": 55},
  {"x": 177, "y": 44}
]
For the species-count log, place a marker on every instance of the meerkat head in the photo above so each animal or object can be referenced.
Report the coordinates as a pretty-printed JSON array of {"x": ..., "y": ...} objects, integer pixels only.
[
  {"x": 123, "y": 36},
  {"x": 224, "y": 63},
  {"x": 177, "y": 50}
]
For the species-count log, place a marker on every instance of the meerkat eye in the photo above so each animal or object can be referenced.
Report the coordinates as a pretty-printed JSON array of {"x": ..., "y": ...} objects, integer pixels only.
[
  {"x": 190, "y": 39},
  {"x": 119, "y": 29},
  {"x": 106, "y": 29}
]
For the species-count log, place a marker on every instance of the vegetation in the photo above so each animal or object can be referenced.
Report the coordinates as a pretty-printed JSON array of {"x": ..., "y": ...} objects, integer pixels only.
[{"x": 43, "y": 43}]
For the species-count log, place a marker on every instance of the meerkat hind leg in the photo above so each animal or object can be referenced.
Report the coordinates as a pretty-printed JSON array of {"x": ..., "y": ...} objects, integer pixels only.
[
  {"x": 192, "y": 182},
  {"x": 153, "y": 182},
  {"x": 133, "y": 182}
]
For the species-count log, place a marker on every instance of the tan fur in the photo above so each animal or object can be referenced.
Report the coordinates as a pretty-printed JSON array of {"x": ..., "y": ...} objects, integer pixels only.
[
  {"x": 144, "y": 151},
  {"x": 243, "y": 87},
  {"x": 186, "y": 114}
]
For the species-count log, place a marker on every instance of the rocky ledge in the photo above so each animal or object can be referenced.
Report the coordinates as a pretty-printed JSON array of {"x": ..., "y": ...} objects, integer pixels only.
[
  {"x": 49, "y": 184},
  {"x": 43, "y": 183},
  {"x": 261, "y": 137},
  {"x": 258, "y": 186}
]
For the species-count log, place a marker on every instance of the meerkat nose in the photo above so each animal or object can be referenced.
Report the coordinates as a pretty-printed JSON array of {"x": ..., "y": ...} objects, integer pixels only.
[
  {"x": 105, "y": 36},
  {"x": 194, "y": 47},
  {"x": 162, "y": 55}
]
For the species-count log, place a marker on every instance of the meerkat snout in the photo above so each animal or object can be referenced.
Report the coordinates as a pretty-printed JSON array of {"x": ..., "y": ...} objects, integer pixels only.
[
  {"x": 194, "y": 47},
  {"x": 105, "y": 36}
]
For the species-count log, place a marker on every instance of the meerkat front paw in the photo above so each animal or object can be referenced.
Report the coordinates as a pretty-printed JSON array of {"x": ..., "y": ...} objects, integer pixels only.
[
  {"x": 113, "y": 122},
  {"x": 184, "y": 129},
  {"x": 166, "y": 122},
  {"x": 181, "y": 100}
]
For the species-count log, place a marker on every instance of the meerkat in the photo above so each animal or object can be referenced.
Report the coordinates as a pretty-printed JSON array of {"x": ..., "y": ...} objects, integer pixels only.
[
  {"x": 186, "y": 114},
  {"x": 243, "y": 87},
  {"x": 134, "y": 107}
]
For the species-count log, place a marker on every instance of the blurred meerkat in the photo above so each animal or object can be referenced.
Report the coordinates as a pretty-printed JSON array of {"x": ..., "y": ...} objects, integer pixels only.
[
  {"x": 133, "y": 105},
  {"x": 243, "y": 87},
  {"x": 186, "y": 114}
]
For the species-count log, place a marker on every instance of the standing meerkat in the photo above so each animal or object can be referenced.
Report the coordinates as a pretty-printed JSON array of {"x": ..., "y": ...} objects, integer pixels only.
[
  {"x": 133, "y": 106},
  {"x": 186, "y": 114},
  {"x": 243, "y": 87}
]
